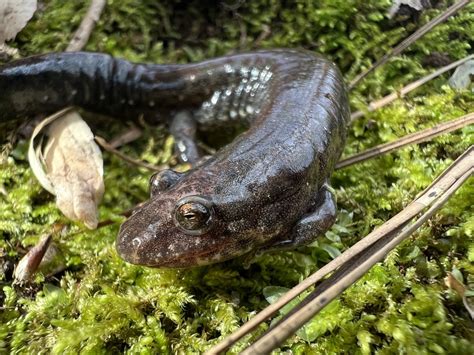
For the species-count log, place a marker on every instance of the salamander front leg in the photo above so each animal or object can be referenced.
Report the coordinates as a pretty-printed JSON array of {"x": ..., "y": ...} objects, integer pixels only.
[
  {"x": 313, "y": 224},
  {"x": 183, "y": 129}
]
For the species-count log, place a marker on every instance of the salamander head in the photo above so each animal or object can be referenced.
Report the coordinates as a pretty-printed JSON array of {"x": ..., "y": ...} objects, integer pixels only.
[{"x": 177, "y": 227}]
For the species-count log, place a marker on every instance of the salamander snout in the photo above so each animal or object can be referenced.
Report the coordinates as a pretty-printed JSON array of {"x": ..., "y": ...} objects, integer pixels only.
[{"x": 141, "y": 237}]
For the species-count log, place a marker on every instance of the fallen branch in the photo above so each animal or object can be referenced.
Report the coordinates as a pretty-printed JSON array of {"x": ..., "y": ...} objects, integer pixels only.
[
  {"x": 80, "y": 38},
  {"x": 414, "y": 138},
  {"x": 455, "y": 174},
  {"x": 375, "y": 105},
  {"x": 408, "y": 41}
]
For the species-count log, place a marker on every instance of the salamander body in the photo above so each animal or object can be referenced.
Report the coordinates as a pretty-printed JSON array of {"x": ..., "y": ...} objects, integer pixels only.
[{"x": 265, "y": 190}]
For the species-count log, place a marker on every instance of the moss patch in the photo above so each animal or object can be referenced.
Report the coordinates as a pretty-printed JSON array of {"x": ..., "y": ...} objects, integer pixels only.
[{"x": 102, "y": 305}]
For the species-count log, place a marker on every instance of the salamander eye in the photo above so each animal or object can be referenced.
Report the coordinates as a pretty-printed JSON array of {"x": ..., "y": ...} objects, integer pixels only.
[{"x": 193, "y": 214}]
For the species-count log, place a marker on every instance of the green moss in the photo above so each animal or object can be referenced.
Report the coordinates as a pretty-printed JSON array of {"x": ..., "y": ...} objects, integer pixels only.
[{"x": 100, "y": 304}]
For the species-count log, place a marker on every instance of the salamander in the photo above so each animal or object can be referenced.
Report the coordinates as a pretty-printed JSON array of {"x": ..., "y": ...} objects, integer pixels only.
[{"x": 266, "y": 190}]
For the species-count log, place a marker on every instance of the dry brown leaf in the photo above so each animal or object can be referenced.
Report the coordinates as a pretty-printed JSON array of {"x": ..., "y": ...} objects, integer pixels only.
[
  {"x": 73, "y": 164},
  {"x": 14, "y": 14},
  {"x": 28, "y": 265}
]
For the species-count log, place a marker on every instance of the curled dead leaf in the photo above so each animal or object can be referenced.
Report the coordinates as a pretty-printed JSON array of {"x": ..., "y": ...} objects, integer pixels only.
[
  {"x": 28, "y": 265},
  {"x": 73, "y": 166}
]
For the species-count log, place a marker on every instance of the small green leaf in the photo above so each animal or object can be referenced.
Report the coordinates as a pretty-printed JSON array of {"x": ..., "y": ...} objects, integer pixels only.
[{"x": 333, "y": 252}]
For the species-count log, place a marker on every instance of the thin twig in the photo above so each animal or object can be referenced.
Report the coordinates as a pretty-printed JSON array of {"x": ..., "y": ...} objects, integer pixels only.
[
  {"x": 266, "y": 32},
  {"x": 126, "y": 137},
  {"x": 80, "y": 38},
  {"x": 436, "y": 196},
  {"x": 408, "y": 41},
  {"x": 375, "y": 105},
  {"x": 104, "y": 144},
  {"x": 443, "y": 181},
  {"x": 207, "y": 149},
  {"x": 414, "y": 138}
]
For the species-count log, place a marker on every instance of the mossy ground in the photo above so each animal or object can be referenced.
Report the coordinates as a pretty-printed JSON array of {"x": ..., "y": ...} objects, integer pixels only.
[{"x": 100, "y": 304}]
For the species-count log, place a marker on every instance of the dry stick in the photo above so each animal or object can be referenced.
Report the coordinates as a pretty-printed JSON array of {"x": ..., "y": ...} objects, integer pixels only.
[
  {"x": 103, "y": 143},
  {"x": 374, "y": 105},
  {"x": 408, "y": 213},
  {"x": 414, "y": 138},
  {"x": 461, "y": 170},
  {"x": 408, "y": 41},
  {"x": 80, "y": 38}
]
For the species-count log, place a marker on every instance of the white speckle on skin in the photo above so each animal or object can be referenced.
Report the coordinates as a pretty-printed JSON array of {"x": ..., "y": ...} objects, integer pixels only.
[
  {"x": 228, "y": 68},
  {"x": 136, "y": 242},
  {"x": 254, "y": 72},
  {"x": 215, "y": 97},
  {"x": 244, "y": 71},
  {"x": 181, "y": 146}
]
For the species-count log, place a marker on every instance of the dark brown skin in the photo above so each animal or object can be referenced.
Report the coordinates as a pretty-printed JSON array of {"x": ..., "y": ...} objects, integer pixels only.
[{"x": 265, "y": 190}]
